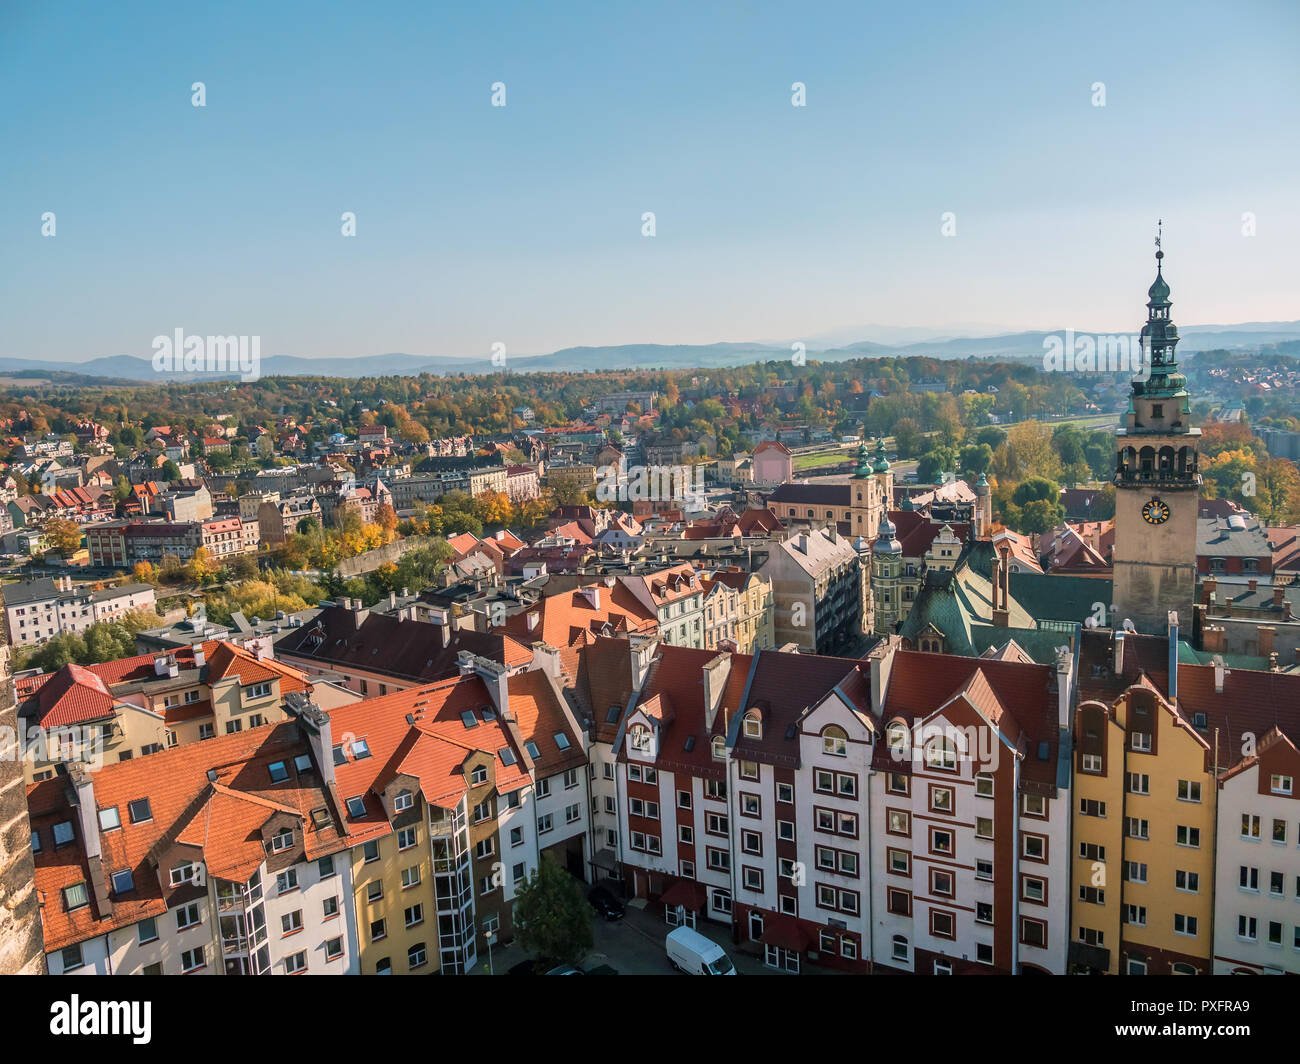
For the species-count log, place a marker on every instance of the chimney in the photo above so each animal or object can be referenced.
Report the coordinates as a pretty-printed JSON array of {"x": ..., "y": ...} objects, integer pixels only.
[
  {"x": 592, "y": 595},
  {"x": 494, "y": 677},
  {"x": 1279, "y": 594},
  {"x": 1253, "y": 584},
  {"x": 314, "y": 724},
  {"x": 547, "y": 658},
  {"x": 1119, "y": 653},
  {"x": 1208, "y": 589},
  {"x": 715, "y": 673},
  {"x": 160, "y": 666},
  {"x": 533, "y": 619},
  {"x": 1227, "y": 606},
  {"x": 1213, "y": 640},
  {"x": 83, "y": 784},
  {"x": 1286, "y": 611},
  {"x": 1173, "y": 656},
  {"x": 642, "y": 649},
  {"x": 1219, "y": 673},
  {"x": 1064, "y": 671},
  {"x": 1272, "y": 662},
  {"x": 200, "y": 658},
  {"x": 1267, "y": 637},
  {"x": 392, "y": 600}
]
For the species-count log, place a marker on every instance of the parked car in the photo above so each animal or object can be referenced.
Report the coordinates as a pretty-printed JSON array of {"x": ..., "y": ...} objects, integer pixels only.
[
  {"x": 692, "y": 953},
  {"x": 606, "y": 904},
  {"x": 566, "y": 969}
]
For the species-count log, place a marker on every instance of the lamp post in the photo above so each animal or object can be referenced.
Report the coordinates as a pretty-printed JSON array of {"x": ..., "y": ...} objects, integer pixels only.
[{"x": 490, "y": 935}]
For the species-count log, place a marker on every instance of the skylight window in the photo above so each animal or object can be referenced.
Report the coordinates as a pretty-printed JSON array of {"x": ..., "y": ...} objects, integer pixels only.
[
  {"x": 123, "y": 881},
  {"x": 139, "y": 810},
  {"x": 357, "y": 806},
  {"x": 533, "y": 752},
  {"x": 468, "y": 719},
  {"x": 561, "y": 740},
  {"x": 109, "y": 819},
  {"x": 360, "y": 749},
  {"x": 63, "y": 832},
  {"x": 507, "y": 756},
  {"x": 302, "y": 763},
  {"x": 278, "y": 771},
  {"x": 340, "y": 758}
]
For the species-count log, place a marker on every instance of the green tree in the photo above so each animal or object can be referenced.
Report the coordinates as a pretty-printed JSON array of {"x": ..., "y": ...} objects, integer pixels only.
[
  {"x": 170, "y": 470},
  {"x": 934, "y": 463},
  {"x": 552, "y": 918}
]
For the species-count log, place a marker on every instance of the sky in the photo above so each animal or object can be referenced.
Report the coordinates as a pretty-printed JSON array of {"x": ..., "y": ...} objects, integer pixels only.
[{"x": 522, "y": 224}]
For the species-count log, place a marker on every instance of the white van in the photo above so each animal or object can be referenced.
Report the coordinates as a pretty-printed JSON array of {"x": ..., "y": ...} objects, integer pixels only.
[{"x": 692, "y": 953}]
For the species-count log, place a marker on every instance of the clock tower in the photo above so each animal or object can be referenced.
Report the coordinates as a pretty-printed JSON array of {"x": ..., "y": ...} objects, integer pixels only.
[{"x": 1157, "y": 483}]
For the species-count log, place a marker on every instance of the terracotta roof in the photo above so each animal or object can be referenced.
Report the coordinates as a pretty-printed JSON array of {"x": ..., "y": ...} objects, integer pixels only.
[
  {"x": 436, "y": 711},
  {"x": 222, "y": 817},
  {"x": 540, "y": 717},
  {"x": 73, "y": 695}
]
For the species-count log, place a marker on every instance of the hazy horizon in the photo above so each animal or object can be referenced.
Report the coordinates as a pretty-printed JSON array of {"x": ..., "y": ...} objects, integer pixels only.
[{"x": 522, "y": 224}]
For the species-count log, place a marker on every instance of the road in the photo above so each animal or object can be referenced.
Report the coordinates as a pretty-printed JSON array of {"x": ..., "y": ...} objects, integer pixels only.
[{"x": 634, "y": 945}]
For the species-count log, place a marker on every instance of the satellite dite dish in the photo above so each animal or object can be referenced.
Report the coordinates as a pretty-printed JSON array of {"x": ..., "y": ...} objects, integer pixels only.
[{"x": 1129, "y": 626}]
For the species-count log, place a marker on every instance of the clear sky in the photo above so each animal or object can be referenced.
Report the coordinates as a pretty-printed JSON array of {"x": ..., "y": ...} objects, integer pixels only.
[{"x": 522, "y": 224}]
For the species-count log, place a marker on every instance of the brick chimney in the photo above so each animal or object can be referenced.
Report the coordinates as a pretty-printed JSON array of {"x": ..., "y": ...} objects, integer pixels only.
[
  {"x": 1253, "y": 584},
  {"x": 1267, "y": 635},
  {"x": 1208, "y": 589},
  {"x": 1279, "y": 594}
]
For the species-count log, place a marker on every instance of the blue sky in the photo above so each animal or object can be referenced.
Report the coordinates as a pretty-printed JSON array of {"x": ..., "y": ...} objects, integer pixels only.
[{"x": 522, "y": 224}]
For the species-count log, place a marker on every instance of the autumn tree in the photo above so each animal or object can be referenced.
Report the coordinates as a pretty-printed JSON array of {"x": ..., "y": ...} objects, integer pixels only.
[{"x": 63, "y": 536}]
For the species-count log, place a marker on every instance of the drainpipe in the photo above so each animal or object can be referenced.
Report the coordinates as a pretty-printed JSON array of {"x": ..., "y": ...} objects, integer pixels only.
[
  {"x": 1015, "y": 874},
  {"x": 871, "y": 879}
]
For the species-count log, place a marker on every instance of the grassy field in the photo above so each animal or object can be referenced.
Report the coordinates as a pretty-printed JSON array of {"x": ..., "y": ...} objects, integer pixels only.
[{"x": 812, "y": 461}]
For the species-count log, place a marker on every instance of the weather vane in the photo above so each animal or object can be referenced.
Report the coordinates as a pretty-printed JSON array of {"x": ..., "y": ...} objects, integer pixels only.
[{"x": 1159, "y": 232}]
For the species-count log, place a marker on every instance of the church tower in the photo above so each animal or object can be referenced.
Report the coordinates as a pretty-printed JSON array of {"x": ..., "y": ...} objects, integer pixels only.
[
  {"x": 886, "y": 578},
  {"x": 1157, "y": 483},
  {"x": 871, "y": 491}
]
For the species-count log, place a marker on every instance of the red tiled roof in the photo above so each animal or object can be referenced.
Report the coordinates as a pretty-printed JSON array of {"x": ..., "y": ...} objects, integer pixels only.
[{"x": 181, "y": 802}]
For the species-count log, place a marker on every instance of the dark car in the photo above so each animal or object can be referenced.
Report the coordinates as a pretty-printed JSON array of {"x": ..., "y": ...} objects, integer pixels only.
[{"x": 606, "y": 904}]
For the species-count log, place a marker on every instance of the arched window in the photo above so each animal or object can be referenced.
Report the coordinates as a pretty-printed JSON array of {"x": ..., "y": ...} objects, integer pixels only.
[
  {"x": 753, "y": 725},
  {"x": 640, "y": 736},
  {"x": 941, "y": 754},
  {"x": 896, "y": 738},
  {"x": 835, "y": 741},
  {"x": 900, "y": 947},
  {"x": 1179, "y": 968},
  {"x": 719, "y": 748}
]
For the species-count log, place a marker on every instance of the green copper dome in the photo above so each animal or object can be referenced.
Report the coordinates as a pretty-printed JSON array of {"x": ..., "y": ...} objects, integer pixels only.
[
  {"x": 881, "y": 464},
  {"x": 1158, "y": 293},
  {"x": 864, "y": 461}
]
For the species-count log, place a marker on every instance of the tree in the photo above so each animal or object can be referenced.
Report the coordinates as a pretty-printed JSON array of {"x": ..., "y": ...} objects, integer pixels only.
[
  {"x": 144, "y": 573},
  {"x": 975, "y": 458},
  {"x": 63, "y": 536},
  {"x": 934, "y": 463},
  {"x": 386, "y": 518},
  {"x": 203, "y": 567},
  {"x": 907, "y": 437},
  {"x": 170, "y": 470},
  {"x": 552, "y": 918}
]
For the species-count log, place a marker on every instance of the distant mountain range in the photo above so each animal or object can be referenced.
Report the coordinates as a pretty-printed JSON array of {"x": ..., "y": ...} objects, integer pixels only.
[{"x": 1007, "y": 346}]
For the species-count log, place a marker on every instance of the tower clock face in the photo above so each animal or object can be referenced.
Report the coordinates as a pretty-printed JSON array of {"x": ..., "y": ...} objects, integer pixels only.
[{"x": 1155, "y": 512}]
